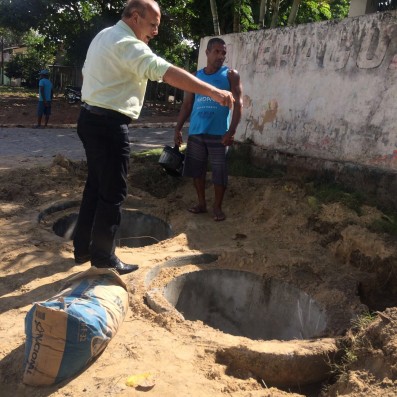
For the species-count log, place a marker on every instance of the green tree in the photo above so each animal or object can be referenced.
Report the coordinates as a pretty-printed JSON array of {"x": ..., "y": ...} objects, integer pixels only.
[
  {"x": 262, "y": 13},
  {"x": 313, "y": 11},
  {"x": 14, "y": 68},
  {"x": 294, "y": 12},
  {"x": 27, "y": 66},
  {"x": 340, "y": 8},
  {"x": 73, "y": 23},
  {"x": 7, "y": 38}
]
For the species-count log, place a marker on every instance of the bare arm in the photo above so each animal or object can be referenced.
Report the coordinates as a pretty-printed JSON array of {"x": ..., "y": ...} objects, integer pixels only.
[
  {"x": 184, "y": 113},
  {"x": 183, "y": 80},
  {"x": 237, "y": 91},
  {"x": 43, "y": 95}
]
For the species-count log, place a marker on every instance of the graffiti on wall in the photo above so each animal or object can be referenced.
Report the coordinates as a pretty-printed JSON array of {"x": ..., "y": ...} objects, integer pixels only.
[
  {"x": 362, "y": 45},
  {"x": 325, "y": 89}
]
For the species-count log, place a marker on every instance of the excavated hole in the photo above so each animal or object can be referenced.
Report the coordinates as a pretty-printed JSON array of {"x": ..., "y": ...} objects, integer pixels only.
[
  {"x": 136, "y": 229},
  {"x": 283, "y": 328},
  {"x": 243, "y": 304},
  {"x": 377, "y": 288}
]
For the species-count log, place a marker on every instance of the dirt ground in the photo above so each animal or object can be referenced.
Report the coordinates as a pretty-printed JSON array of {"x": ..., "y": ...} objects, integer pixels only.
[
  {"x": 17, "y": 111},
  {"x": 274, "y": 229}
]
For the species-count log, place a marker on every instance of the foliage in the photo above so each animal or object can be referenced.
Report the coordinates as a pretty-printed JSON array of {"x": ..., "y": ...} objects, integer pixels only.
[
  {"x": 311, "y": 11},
  {"x": 26, "y": 66},
  {"x": 70, "y": 25},
  {"x": 387, "y": 224},
  {"x": 148, "y": 175},
  {"x": 339, "y": 8},
  {"x": 73, "y": 24},
  {"x": 329, "y": 192},
  {"x": 325, "y": 190},
  {"x": 174, "y": 40},
  {"x": 18, "y": 92},
  {"x": 9, "y": 37},
  {"x": 239, "y": 164},
  {"x": 145, "y": 156},
  {"x": 14, "y": 68},
  {"x": 354, "y": 343}
]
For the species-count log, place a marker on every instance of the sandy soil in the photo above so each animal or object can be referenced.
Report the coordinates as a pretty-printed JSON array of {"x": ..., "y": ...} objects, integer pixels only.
[
  {"x": 16, "y": 111},
  {"x": 273, "y": 229}
]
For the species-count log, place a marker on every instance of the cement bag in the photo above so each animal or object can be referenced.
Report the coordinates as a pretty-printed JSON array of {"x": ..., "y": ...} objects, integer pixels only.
[{"x": 66, "y": 332}]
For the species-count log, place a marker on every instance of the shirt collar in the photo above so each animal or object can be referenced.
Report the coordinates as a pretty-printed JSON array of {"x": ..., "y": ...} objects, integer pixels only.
[{"x": 125, "y": 27}]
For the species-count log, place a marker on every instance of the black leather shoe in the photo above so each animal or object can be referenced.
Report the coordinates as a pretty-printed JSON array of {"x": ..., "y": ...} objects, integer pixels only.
[
  {"x": 123, "y": 268},
  {"x": 82, "y": 258},
  {"x": 120, "y": 267}
]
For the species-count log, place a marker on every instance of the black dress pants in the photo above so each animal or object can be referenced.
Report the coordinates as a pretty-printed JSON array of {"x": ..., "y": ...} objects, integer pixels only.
[{"x": 107, "y": 147}]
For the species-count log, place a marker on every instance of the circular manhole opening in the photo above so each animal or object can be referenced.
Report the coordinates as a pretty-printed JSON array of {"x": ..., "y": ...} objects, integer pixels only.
[
  {"x": 136, "y": 229},
  {"x": 244, "y": 304}
]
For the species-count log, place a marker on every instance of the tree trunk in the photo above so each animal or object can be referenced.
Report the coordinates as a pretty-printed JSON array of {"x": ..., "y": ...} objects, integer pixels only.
[
  {"x": 294, "y": 12},
  {"x": 276, "y": 6},
  {"x": 2, "y": 60},
  {"x": 262, "y": 13},
  {"x": 237, "y": 16},
  {"x": 215, "y": 19}
]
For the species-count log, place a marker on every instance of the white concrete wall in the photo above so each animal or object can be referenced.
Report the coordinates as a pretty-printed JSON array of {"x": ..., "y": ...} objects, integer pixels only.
[{"x": 326, "y": 90}]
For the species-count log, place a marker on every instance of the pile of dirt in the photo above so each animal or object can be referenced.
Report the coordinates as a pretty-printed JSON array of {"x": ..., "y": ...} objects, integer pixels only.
[{"x": 273, "y": 229}]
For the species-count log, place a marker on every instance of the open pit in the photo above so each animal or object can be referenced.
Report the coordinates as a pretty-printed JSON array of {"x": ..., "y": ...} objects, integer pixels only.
[
  {"x": 244, "y": 304},
  {"x": 267, "y": 301},
  {"x": 289, "y": 336},
  {"x": 137, "y": 229}
]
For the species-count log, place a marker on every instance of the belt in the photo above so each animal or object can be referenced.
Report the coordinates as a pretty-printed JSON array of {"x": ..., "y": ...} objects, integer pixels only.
[{"x": 105, "y": 112}]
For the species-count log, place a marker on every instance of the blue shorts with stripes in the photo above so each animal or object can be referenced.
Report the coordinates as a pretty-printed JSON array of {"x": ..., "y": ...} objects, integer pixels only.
[{"x": 199, "y": 149}]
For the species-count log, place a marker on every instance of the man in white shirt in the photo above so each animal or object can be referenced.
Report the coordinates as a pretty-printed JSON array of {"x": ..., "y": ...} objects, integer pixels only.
[{"x": 117, "y": 67}]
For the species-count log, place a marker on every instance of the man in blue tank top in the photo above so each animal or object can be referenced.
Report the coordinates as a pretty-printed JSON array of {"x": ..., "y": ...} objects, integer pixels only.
[
  {"x": 212, "y": 128},
  {"x": 45, "y": 99}
]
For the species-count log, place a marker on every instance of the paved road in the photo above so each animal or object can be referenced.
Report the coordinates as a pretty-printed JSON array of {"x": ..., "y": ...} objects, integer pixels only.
[{"x": 26, "y": 147}]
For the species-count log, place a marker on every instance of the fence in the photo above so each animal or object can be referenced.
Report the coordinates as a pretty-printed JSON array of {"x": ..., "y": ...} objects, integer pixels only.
[
  {"x": 158, "y": 95},
  {"x": 163, "y": 96}
]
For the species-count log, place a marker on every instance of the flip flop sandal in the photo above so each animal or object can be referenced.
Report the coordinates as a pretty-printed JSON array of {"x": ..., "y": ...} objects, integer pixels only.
[
  {"x": 197, "y": 209},
  {"x": 219, "y": 216}
]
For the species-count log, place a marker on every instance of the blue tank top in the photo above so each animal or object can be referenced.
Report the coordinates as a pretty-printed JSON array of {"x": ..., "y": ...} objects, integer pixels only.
[{"x": 208, "y": 117}]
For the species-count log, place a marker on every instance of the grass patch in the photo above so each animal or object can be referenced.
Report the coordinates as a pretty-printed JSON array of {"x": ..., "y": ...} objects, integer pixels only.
[
  {"x": 20, "y": 92},
  {"x": 355, "y": 343},
  {"x": 387, "y": 224},
  {"x": 330, "y": 192},
  {"x": 239, "y": 164},
  {"x": 147, "y": 174},
  {"x": 147, "y": 156},
  {"x": 151, "y": 177},
  {"x": 361, "y": 322},
  {"x": 325, "y": 191}
]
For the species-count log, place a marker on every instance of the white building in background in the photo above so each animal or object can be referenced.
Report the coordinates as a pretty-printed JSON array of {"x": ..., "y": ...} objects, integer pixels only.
[
  {"x": 362, "y": 7},
  {"x": 6, "y": 56}
]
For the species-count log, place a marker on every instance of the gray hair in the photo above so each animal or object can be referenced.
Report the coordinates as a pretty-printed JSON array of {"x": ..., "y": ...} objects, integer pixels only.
[{"x": 136, "y": 5}]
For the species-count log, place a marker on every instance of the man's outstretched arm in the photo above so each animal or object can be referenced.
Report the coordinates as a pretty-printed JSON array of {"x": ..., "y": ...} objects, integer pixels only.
[{"x": 183, "y": 80}]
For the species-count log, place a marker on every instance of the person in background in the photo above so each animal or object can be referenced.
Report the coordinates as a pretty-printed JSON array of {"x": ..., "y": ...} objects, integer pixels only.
[
  {"x": 45, "y": 98},
  {"x": 211, "y": 130},
  {"x": 118, "y": 64}
]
